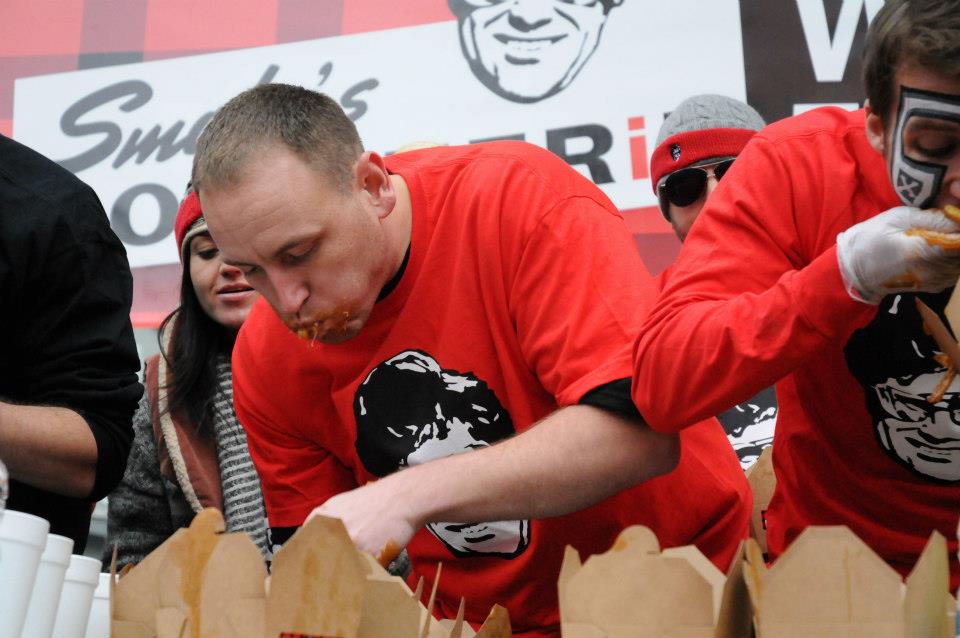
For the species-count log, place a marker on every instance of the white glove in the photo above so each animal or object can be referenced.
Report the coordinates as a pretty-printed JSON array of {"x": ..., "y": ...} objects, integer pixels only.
[{"x": 904, "y": 249}]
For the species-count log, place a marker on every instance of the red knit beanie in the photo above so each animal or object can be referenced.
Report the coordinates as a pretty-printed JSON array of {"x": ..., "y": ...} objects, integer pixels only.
[
  {"x": 189, "y": 224},
  {"x": 683, "y": 149},
  {"x": 702, "y": 127}
]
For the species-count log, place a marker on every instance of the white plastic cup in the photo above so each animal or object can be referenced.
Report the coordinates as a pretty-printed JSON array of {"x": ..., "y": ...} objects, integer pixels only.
[
  {"x": 81, "y": 579},
  {"x": 98, "y": 626},
  {"x": 42, "y": 610},
  {"x": 22, "y": 538}
]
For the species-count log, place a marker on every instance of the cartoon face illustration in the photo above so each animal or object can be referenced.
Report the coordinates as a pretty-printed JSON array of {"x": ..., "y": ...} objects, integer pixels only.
[
  {"x": 410, "y": 411},
  {"x": 924, "y": 435},
  {"x": 528, "y": 50},
  {"x": 901, "y": 369},
  {"x": 750, "y": 425}
]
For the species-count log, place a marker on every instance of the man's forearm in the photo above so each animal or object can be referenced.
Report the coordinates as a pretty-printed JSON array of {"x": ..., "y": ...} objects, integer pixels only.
[
  {"x": 50, "y": 448},
  {"x": 570, "y": 460}
]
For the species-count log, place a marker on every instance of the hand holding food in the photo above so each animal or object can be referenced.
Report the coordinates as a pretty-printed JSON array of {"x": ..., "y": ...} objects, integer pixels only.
[
  {"x": 904, "y": 249},
  {"x": 376, "y": 518}
]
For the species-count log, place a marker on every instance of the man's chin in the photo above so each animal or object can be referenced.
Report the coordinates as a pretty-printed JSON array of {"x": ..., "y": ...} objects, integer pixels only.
[
  {"x": 337, "y": 337},
  {"x": 524, "y": 92},
  {"x": 531, "y": 82}
]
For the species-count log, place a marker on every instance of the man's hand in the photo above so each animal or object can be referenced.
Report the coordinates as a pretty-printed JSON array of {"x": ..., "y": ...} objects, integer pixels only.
[
  {"x": 904, "y": 249},
  {"x": 379, "y": 516}
]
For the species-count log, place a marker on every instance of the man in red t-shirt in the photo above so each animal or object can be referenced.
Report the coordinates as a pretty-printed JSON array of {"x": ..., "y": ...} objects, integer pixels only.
[
  {"x": 696, "y": 146},
  {"x": 804, "y": 268},
  {"x": 465, "y": 315}
]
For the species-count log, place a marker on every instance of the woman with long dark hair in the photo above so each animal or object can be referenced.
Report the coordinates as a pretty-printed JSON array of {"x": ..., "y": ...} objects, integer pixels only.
[{"x": 189, "y": 451}]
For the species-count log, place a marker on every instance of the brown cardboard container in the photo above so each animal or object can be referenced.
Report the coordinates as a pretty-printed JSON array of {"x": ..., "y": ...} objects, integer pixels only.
[
  {"x": 204, "y": 583},
  {"x": 830, "y": 584},
  {"x": 762, "y": 483},
  {"x": 322, "y": 586},
  {"x": 634, "y": 590},
  {"x": 134, "y": 599}
]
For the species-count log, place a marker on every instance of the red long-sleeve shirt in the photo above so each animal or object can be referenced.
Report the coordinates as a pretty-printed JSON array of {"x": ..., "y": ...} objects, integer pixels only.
[{"x": 756, "y": 298}]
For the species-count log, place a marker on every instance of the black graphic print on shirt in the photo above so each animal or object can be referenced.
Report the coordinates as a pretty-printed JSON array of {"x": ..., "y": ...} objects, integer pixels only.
[
  {"x": 750, "y": 425},
  {"x": 899, "y": 367},
  {"x": 409, "y": 410}
]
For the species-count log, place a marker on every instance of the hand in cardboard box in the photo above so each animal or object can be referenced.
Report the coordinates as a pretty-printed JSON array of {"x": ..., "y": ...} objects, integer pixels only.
[
  {"x": 379, "y": 522},
  {"x": 204, "y": 583}
]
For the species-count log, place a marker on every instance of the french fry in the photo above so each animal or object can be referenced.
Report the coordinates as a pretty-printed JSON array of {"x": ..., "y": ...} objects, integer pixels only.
[
  {"x": 947, "y": 241},
  {"x": 952, "y": 213},
  {"x": 947, "y": 344}
]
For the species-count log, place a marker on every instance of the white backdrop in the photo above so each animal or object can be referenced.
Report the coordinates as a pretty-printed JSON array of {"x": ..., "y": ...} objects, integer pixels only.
[{"x": 415, "y": 85}]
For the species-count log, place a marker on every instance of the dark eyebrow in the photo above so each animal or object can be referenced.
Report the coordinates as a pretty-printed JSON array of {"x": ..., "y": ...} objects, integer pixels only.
[{"x": 296, "y": 241}]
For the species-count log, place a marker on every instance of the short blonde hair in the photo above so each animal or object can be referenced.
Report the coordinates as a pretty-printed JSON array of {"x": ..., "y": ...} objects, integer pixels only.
[{"x": 309, "y": 123}]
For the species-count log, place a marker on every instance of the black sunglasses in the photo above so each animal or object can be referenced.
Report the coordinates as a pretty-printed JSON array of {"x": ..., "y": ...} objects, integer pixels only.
[{"x": 687, "y": 185}]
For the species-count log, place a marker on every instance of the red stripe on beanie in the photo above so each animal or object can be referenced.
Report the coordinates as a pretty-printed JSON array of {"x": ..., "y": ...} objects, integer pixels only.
[
  {"x": 188, "y": 214},
  {"x": 683, "y": 149}
]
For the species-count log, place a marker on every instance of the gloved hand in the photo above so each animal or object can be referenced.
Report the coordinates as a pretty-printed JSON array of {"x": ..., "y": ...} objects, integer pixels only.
[{"x": 904, "y": 249}]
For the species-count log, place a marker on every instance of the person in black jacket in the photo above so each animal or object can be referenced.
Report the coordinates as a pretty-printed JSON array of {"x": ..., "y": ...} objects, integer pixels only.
[{"x": 68, "y": 360}]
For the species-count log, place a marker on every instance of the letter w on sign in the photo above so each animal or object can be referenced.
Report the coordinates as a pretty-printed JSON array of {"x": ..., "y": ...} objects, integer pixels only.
[{"x": 829, "y": 56}]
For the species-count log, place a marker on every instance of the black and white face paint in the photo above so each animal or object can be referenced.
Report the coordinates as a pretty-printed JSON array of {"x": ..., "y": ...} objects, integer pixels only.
[{"x": 917, "y": 181}]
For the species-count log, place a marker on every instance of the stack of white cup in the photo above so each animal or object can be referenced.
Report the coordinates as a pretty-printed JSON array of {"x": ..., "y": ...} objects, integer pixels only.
[
  {"x": 98, "y": 626},
  {"x": 22, "y": 539},
  {"x": 47, "y": 587},
  {"x": 79, "y": 582},
  {"x": 45, "y": 591}
]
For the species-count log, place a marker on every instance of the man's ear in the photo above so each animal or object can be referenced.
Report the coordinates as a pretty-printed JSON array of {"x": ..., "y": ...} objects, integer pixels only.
[
  {"x": 373, "y": 179},
  {"x": 875, "y": 129}
]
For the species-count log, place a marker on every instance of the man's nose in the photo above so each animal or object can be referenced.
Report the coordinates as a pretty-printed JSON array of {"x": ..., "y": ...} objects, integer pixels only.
[
  {"x": 527, "y": 15},
  {"x": 711, "y": 184},
  {"x": 944, "y": 425},
  {"x": 291, "y": 293}
]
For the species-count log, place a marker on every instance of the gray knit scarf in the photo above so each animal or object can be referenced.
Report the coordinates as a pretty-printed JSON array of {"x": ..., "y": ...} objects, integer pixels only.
[{"x": 243, "y": 509}]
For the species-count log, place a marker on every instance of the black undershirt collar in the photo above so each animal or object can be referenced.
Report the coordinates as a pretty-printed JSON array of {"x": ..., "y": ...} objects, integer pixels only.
[{"x": 395, "y": 280}]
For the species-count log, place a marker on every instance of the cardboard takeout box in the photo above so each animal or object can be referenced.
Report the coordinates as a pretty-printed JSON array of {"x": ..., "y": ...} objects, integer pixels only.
[{"x": 205, "y": 583}]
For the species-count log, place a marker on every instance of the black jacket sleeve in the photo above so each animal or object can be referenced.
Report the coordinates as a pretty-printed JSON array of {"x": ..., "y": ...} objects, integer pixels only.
[{"x": 66, "y": 290}]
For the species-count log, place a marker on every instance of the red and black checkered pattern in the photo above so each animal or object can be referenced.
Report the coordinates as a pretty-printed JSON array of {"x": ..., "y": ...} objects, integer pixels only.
[{"x": 53, "y": 36}]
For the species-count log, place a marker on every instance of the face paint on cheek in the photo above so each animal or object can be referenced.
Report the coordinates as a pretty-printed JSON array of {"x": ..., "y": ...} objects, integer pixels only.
[{"x": 917, "y": 182}]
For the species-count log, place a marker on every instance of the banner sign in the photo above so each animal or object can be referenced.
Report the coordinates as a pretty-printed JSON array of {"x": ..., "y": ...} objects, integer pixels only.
[{"x": 590, "y": 80}]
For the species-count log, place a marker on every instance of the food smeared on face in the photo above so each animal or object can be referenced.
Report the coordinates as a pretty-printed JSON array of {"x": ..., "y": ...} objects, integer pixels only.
[{"x": 333, "y": 323}]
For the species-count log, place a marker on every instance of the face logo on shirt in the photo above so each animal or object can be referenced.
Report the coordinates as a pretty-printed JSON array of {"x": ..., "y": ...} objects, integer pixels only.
[
  {"x": 409, "y": 410},
  {"x": 750, "y": 425},
  {"x": 900, "y": 369}
]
